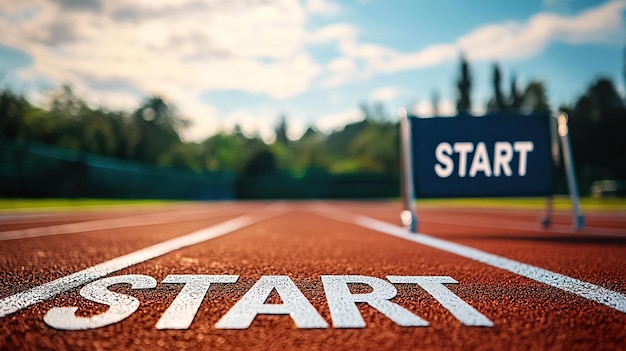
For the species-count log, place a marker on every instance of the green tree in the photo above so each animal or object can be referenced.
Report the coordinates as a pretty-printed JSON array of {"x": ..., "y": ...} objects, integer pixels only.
[
  {"x": 435, "y": 102},
  {"x": 281, "y": 131},
  {"x": 464, "y": 86},
  {"x": 12, "y": 110},
  {"x": 64, "y": 116},
  {"x": 99, "y": 128},
  {"x": 183, "y": 155},
  {"x": 261, "y": 163},
  {"x": 63, "y": 101},
  {"x": 376, "y": 148},
  {"x": 535, "y": 98},
  {"x": 498, "y": 101},
  {"x": 223, "y": 152},
  {"x": 158, "y": 124},
  {"x": 598, "y": 133},
  {"x": 516, "y": 97},
  {"x": 367, "y": 145},
  {"x": 309, "y": 152},
  {"x": 337, "y": 143}
]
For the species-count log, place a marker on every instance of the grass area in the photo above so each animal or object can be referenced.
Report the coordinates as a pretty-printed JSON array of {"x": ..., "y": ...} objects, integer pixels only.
[
  {"x": 71, "y": 204},
  {"x": 560, "y": 203}
]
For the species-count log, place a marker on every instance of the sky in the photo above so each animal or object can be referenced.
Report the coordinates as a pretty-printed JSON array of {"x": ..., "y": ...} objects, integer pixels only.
[{"x": 249, "y": 62}]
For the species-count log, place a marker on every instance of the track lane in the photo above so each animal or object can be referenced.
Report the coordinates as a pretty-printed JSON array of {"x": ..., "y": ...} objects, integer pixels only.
[
  {"x": 607, "y": 223},
  {"x": 304, "y": 246},
  {"x": 526, "y": 313},
  {"x": 114, "y": 223},
  {"x": 29, "y": 262},
  {"x": 20, "y": 220},
  {"x": 585, "y": 256}
]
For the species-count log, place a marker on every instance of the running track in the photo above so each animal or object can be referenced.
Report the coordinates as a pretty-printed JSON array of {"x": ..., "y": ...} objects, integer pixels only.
[{"x": 519, "y": 287}]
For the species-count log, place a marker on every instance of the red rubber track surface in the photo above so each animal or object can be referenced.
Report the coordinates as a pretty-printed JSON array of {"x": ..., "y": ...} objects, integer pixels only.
[{"x": 304, "y": 244}]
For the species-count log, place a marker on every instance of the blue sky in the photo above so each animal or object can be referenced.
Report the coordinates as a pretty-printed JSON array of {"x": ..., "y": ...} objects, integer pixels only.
[{"x": 223, "y": 62}]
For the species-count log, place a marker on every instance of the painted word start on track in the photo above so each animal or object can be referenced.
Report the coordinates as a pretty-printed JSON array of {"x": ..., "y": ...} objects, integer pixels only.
[{"x": 341, "y": 301}]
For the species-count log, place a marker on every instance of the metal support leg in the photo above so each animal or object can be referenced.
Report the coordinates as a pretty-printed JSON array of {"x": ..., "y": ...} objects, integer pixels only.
[
  {"x": 408, "y": 216},
  {"x": 547, "y": 220},
  {"x": 568, "y": 162}
]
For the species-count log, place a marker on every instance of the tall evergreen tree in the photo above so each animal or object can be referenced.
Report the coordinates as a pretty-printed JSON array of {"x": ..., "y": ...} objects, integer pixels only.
[
  {"x": 516, "y": 97},
  {"x": 535, "y": 97},
  {"x": 598, "y": 133},
  {"x": 464, "y": 86},
  {"x": 497, "y": 102},
  {"x": 281, "y": 131},
  {"x": 435, "y": 102},
  {"x": 624, "y": 72}
]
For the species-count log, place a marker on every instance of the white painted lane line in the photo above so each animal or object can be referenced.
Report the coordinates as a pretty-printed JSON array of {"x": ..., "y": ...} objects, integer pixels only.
[
  {"x": 46, "y": 291},
  {"x": 111, "y": 223},
  {"x": 490, "y": 220},
  {"x": 581, "y": 288}
]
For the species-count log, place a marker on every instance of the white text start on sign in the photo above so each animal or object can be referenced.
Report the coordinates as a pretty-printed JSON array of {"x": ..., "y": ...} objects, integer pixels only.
[{"x": 503, "y": 153}]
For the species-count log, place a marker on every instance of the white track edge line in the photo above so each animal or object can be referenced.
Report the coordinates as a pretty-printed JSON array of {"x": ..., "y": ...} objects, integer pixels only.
[
  {"x": 97, "y": 224},
  {"x": 48, "y": 290},
  {"x": 589, "y": 291}
]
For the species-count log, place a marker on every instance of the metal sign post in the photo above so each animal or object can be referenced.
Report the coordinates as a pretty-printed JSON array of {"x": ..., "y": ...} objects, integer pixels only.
[
  {"x": 408, "y": 217},
  {"x": 568, "y": 162}
]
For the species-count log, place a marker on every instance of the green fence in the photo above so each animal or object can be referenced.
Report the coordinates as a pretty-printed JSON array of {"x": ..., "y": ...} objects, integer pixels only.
[
  {"x": 316, "y": 184},
  {"x": 29, "y": 169}
]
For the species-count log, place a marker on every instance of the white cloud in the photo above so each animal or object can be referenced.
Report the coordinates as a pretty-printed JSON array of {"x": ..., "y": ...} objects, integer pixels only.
[
  {"x": 216, "y": 52},
  {"x": 479, "y": 109},
  {"x": 340, "y": 32},
  {"x": 502, "y": 41},
  {"x": 342, "y": 65},
  {"x": 204, "y": 121},
  {"x": 343, "y": 70},
  {"x": 114, "y": 52},
  {"x": 384, "y": 94},
  {"x": 252, "y": 123},
  {"x": 422, "y": 109},
  {"x": 296, "y": 129},
  {"x": 512, "y": 40},
  {"x": 337, "y": 121},
  {"x": 262, "y": 123},
  {"x": 447, "y": 108},
  {"x": 323, "y": 7},
  {"x": 244, "y": 119}
]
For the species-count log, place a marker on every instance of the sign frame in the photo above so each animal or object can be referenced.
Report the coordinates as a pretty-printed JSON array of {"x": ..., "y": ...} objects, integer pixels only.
[{"x": 558, "y": 143}]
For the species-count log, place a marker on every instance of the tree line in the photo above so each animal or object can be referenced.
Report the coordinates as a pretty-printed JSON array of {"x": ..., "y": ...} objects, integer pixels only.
[{"x": 151, "y": 133}]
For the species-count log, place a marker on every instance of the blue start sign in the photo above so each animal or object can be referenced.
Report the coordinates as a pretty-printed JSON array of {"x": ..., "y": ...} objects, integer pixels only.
[{"x": 488, "y": 156}]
